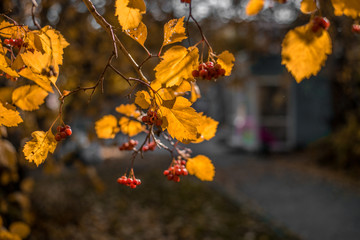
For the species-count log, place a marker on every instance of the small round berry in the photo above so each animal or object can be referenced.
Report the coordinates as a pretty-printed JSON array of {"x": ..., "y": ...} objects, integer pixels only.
[
  {"x": 129, "y": 181},
  {"x": 58, "y": 137},
  {"x": 145, "y": 119},
  {"x": 166, "y": 172},
  {"x": 176, "y": 178},
  {"x": 217, "y": 66},
  {"x": 355, "y": 28},
  {"x": 203, "y": 73},
  {"x": 158, "y": 122},
  {"x": 183, "y": 162},
  {"x": 58, "y": 128},
  {"x": 178, "y": 172},
  {"x": 210, "y": 64},
  {"x": 202, "y": 66},
  {"x": 324, "y": 23},
  {"x": 132, "y": 185},
  {"x": 67, "y": 126},
  {"x": 132, "y": 142},
  {"x": 7, "y": 41},
  {"x": 221, "y": 72},
  {"x": 195, "y": 73},
  {"x": 145, "y": 148},
  {"x": 63, "y": 135},
  {"x": 170, "y": 176},
  {"x": 184, "y": 172},
  {"x": 68, "y": 132},
  {"x": 138, "y": 181}
]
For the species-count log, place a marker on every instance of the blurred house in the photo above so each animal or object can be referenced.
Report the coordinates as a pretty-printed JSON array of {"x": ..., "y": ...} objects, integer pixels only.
[{"x": 271, "y": 112}]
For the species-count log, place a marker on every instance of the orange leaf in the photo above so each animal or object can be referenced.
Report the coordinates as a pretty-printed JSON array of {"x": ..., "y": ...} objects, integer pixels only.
[
  {"x": 226, "y": 60},
  {"x": 308, "y": 6},
  {"x": 129, "y": 13},
  {"x": 107, "y": 127},
  {"x": 202, "y": 167},
  {"x": 139, "y": 33},
  {"x": 254, "y": 7},
  {"x": 8, "y": 117},
  {"x": 349, "y": 8},
  {"x": 174, "y": 31}
]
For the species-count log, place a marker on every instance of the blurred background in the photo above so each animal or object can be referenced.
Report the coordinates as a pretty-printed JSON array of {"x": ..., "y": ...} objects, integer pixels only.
[{"x": 286, "y": 154}]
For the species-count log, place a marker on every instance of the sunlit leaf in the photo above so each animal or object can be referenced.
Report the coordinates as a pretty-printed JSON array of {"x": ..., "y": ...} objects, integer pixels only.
[
  {"x": 39, "y": 79},
  {"x": 139, "y": 33},
  {"x": 177, "y": 65},
  {"x": 20, "y": 228},
  {"x": 174, "y": 31},
  {"x": 304, "y": 52},
  {"x": 180, "y": 119},
  {"x": 5, "y": 94},
  {"x": 202, "y": 167},
  {"x": 207, "y": 128},
  {"x": 143, "y": 99},
  {"x": 28, "y": 97},
  {"x": 129, "y": 13},
  {"x": 130, "y": 127},
  {"x": 195, "y": 92},
  {"x": 38, "y": 148},
  {"x": 254, "y": 7},
  {"x": 5, "y": 64},
  {"x": 8, "y": 117},
  {"x": 9, "y": 30},
  {"x": 349, "y": 8},
  {"x": 107, "y": 127},
  {"x": 129, "y": 110},
  {"x": 308, "y": 6},
  {"x": 226, "y": 60}
]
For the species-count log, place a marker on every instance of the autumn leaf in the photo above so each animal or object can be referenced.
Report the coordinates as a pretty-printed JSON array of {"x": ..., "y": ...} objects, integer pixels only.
[
  {"x": 4, "y": 64},
  {"x": 308, "y": 6},
  {"x": 195, "y": 92},
  {"x": 139, "y": 33},
  {"x": 20, "y": 228},
  {"x": 130, "y": 127},
  {"x": 349, "y": 8},
  {"x": 38, "y": 148},
  {"x": 177, "y": 65},
  {"x": 304, "y": 52},
  {"x": 9, "y": 30},
  {"x": 8, "y": 117},
  {"x": 128, "y": 110},
  {"x": 207, "y": 128},
  {"x": 202, "y": 167},
  {"x": 107, "y": 127},
  {"x": 174, "y": 31},
  {"x": 226, "y": 60},
  {"x": 39, "y": 79},
  {"x": 129, "y": 13},
  {"x": 143, "y": 99},
  {"x": 254, "y": 7},
  {"x": 28, "y": 97},
  {"x": 180, "y": 120}
]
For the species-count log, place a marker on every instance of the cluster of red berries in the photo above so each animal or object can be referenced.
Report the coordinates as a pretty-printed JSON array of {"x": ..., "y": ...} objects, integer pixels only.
[
  {"x": 128, "y": 145},
  {"x": 151, "y": 146},
  {"x": 14, "y": 42},
  {"x": 320, "y": 22},
  {"x": 174, "y": 172},
  {"x": 63, "y": 132},
  {"x": 355, "y": 28},
  {"x": 185, "y": 1},
  {"x": 131, "y": 182},
  {"x": 209, "y": 71},
  {"x": 152, "y": 118}
]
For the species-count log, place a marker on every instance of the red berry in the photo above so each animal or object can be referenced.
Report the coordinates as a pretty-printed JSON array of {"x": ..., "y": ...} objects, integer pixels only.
[
  {"x": 120, "y": 180},
  {"x": 138, "y": 181},
  {"x": 178, "y": 171},
  {"x": 158, "y": 122},
  {"x": 7, "y": 41},
  {"x": 58, "y": 129},
  {"x": 170, "y": 176},
  {"x": 166, "y": 172},
  {"x": 325, "y": 23},
  {"x": 63, "y": 134},
  {"x": 203, "y": 73},
  {"x": 132, "y": 142},
  {"x": 58, "y": 137},
  {"x": 202, "y": 66},
  {"x": 67, "y": 126},
  {"x": 145, "y": 119},
  {"x": 68, "y": 132},
  {"x": 184, "y": 172},
  {"x": 221, "y": 72},
  {"x": 145, "y": 148},
  {"x": 183, "y": 162},
  {"x": 132, "y": 185},
  {"x": 176, "y": 179},
  {"x": 217, "y": 66},
  {"x": 355, "y": 28},
  {"x": 195, "y": 73},
  {"x": 210, "y": 64},
  {"x": 129, "y": 181}
]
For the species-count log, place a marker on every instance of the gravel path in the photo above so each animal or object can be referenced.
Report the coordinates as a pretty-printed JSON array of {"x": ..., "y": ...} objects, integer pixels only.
[{"x": 309, "y": 204}]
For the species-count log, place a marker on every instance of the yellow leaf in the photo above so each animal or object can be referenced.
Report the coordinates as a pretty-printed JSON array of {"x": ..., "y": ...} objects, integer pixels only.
[
  {"x": 180, "y": 119},
  {"x": 128, "y": 110},
  {"x": 28, "y": 97},
  {"x": 39, "y": 79},
  {"x": 143, "y": 99},
  {"x": 254, "y": 7},
  {"x": 177, "y": 65},
  {"x": 5, "y": 94},
  {"x": 139, "y": 33},
  {"x": 202, "y": 167},
  {"x": 129, "y": 13},
  {"x": 107, "y": 127},
  {"x": 207, "y": 128},
  {"x": 226, "y": 60},
  {"x": 304, "y": 52},
  {"x": 174, "y": 31},
  {"x": 308, "y": 6},
  {"x": 195, "y": 92},
  {"x": 52, "y": 44},
  {"x": 4, "y": 63},
  {"x": 38, "y": 148},
  {"x": 349, "y": 8},
  {"x": 8, "y": 117},
  {"x": 9, "y": 30},
  {"x": 20, "y": 228},
  {"x": 130, "y": 127}
]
